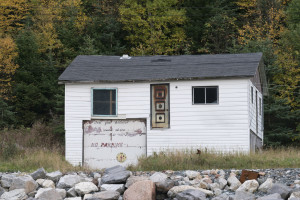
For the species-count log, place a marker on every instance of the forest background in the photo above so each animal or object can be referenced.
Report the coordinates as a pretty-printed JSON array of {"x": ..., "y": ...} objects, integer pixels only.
[{"x": 39, "y": 38}]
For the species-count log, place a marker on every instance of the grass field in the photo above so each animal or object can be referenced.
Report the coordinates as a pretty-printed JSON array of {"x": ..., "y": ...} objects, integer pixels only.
[{"x": 29, "y": 149}]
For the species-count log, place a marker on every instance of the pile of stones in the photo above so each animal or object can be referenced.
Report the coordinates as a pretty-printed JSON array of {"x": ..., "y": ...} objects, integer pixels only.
[{"x": 117, "y": 183}]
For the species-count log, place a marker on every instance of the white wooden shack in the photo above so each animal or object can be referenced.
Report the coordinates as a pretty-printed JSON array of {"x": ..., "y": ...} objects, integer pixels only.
[{"x": 118, "y": 108}]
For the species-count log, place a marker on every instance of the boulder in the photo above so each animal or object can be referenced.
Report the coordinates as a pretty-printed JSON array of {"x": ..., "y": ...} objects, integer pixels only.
[
  {"x": 222, "y": 182},
  {"x": 48, "y": 194},
  {"x": 105, "y": 195},
  {"x": 177, "y": 189},
  {"x": 61, "y": 192},
  {"x": 6, "y": 180},
  {"x": 71, "y": 192},
  {"x": 266, "y": 185},
  {"x": 54, "y": 176},
  {"x": 45, "y": 183},
  {"x": 192, "y": 174},
  {"x": 24, "y": 182},
  {"x": 132, "y": 179},
  {"x": 142, "y": 190},
  {"x": 295, "y": 195},
  {"x": 158, "y": 177},
  {"x": 191, "y": 195},
  {"x": 113, "y": 187},
  {"x": 249, "y": 186},
  {"x": 117, "y": 174},
  {"x": 274, "y": 196},
  {"x": 222, "y": 197},
  {"x": 2, "y": 190},
  {"x": 203, "y": 185},
  {"x": 85, "y": 188},
  {"x": 233, "y": 182},
  {"x": 17, "y": 194},
  {"x": 164, "y": 186},
  {"x": 39, "y": 174},
  {"x": 243, "y": 195},
  {"x": 206, "y": 192},
  {"x": 69, "y": 181},
  {"x": 281, "y": 189}
]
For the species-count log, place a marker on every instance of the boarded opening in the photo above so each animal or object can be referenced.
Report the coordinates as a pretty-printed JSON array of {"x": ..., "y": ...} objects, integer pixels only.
[{"x": 113, "y": 142}]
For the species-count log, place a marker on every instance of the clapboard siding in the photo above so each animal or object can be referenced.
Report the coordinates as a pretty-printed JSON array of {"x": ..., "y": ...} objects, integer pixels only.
[{"x": 222, "y": 126}]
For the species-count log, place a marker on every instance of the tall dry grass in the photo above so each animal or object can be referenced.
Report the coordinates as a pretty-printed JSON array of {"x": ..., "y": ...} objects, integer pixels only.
[
  {"x": 189, "y": 159},
  {"x": 29, "y": 149}
]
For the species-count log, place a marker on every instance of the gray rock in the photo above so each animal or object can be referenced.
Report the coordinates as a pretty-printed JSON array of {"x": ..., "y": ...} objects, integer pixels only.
[
  {"x": 222, "y": 182},
  {"x": 24, "y": 182},
  {"x": 6, "y": 180},
  {"x": 116, "y": 177},
  {"x": 281, "y": 189},
  {"x": 69, "y": 181},
  {"x": 192, "y": 174},
  {"x": 71, "y": 192},
  {"x": 274, "y": 196},
  {"x": 32, "y": 194},
  {"x": 115, "y": 169},
  {"x": 113, "y": 187},
  {"x": 62, "y": 192},
  {"x": 191, "y": 195},
  {"x": 85, "y": 188},
  {"x": 106, "y": 195},
  {"x": 2, "y": 190},
  {"x": 54, "y": 176},
  {"x": 73, "y": 198},
  {"x": 39, "y": 174},
  {"x": 243, "y": 195},
  {"x": 17, "y": 194},
  {"x": 45, "y": 183},
  {"x": 158, "y": 177},
  {"x": 164, "y": 186},
  {"x": 48, "y": 194},
  {"x": 295, "y": 195},
  {"x": 132, "y": 179},
  {"x": 222, "y": 197}
]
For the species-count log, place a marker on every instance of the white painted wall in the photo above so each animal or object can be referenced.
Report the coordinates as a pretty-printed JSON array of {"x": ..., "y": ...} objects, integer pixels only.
[
  {"x": 252, "y": 111},
  {"x": 224, "y": 126}
]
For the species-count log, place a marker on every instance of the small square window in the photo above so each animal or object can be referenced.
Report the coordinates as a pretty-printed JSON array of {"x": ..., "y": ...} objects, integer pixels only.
[
  {"x": 205, "y": 95},
  {"x": 104, "y": 101}
]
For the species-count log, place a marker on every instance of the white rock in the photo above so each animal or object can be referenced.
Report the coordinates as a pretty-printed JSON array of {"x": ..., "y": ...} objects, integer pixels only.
[
  {"x": 48, "y": 194},
  {"x": 214, "y": 186},
  {"x": 45, "y": 183},
  {"x": 297, "y": 182},
  {"x": 249, "y": 186},
  {"x": 295, "y": 195},
  {"x": 73, "y": 198},
  {"x": 97, "y": 175},
  {"x": 62, "y": 192},
  {"x": 222, "y": 182},
  {"x": 233, "y": 182},
  {"x": 85, "y": 188},
  {"x": 158, "y": 177},
  {"x": 86, "y": 196},
  {"x": 206, "y": 172},
  {"x": 192, "y": 174},
  {"x": 207, "y": 192},
  {"x": 113, "y": 187},
  {"x": 217, "y": 191},
  {"x": 17, "y": 194},
  {"x": 176, "y": 189},
  {"x": 265, "y": 186}
]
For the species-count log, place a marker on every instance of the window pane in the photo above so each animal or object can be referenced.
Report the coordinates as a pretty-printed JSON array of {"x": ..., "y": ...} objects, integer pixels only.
[
  {"x": 199, "y": 95},
  {"x": 101, "y": 95},
  {"x": 211, "y": 95},
  {"x": 101, "y": 108},
  {"x": 113, "y": 109}
]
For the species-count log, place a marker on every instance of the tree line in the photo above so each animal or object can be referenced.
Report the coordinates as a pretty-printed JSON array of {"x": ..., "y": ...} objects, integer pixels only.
[{"x": 39, "y": 38}]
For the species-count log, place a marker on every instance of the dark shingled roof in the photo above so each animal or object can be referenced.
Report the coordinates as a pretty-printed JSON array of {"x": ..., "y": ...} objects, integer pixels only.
[{"x": 95, "y": 68}]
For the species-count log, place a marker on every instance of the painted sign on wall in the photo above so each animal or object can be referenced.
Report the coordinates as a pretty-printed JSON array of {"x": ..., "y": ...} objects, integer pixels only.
[{"x": 113, "y": 142}]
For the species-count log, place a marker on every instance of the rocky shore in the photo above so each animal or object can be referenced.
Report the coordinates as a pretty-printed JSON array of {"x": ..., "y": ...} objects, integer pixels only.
[{"x": 117, "y": 183}]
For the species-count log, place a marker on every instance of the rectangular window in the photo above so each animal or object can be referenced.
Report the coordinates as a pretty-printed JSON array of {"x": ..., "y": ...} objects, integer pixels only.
[
  {"x": 251, "y": 94},
  {"x": 260, "y": 106},
  {"x": 104, "y": 102},
  {"x": 205, "y": 95}
]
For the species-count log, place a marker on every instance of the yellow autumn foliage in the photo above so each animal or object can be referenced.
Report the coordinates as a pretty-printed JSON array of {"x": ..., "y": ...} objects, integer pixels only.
[{"x": 7, "y": 65}]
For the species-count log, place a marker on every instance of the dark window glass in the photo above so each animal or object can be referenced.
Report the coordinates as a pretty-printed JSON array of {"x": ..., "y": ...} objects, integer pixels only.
[
  {"x": 199, "y": 95},
  {"x": 205, "y": 95},
  {"x": 211, "y": 95},
  {"x": 104, "y": 102}
]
